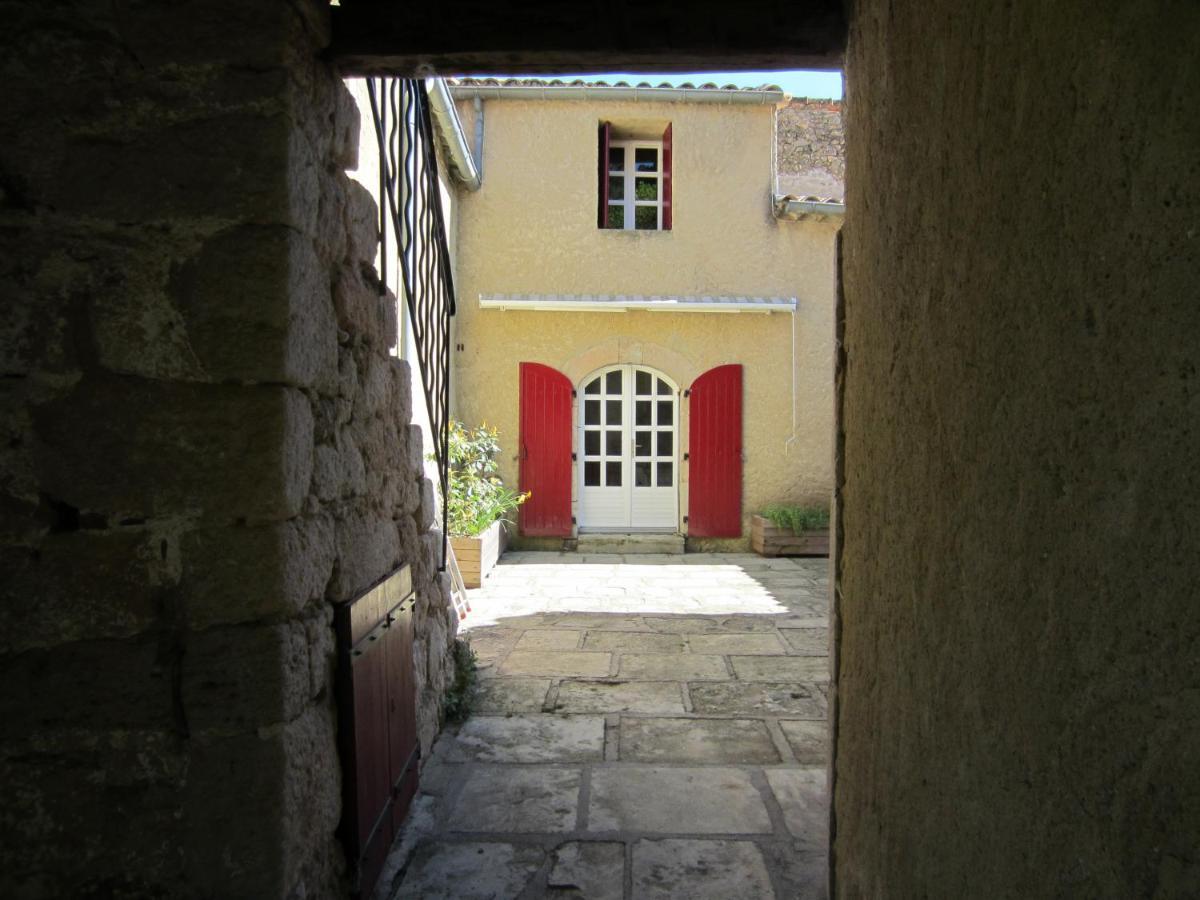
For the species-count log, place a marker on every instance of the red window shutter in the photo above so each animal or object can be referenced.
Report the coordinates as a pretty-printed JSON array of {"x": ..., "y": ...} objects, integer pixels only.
[
  {"x": 605, "y": 138},
  {"x": 715, "y": 454},
  {"x": 666, "y": 180},
  {"x": 545, "y": 468}
]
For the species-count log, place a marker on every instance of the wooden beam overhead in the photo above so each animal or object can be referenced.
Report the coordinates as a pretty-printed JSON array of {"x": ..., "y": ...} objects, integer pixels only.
[{"x": 544, "y": 37}]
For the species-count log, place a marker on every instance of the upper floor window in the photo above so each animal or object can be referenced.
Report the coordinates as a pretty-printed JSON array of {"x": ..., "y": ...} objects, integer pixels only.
[{"x": 635, "y": 182}]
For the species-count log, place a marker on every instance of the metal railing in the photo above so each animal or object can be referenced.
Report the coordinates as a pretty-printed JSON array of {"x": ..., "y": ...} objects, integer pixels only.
[{"x": 411, "y": 207}]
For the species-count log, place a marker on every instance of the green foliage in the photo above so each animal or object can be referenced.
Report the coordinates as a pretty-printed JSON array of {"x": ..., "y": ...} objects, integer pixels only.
[
  {"x": 798, "y": 518},
  {"x": 462, "y": 689},
  {"x": 477, "y": 497}
]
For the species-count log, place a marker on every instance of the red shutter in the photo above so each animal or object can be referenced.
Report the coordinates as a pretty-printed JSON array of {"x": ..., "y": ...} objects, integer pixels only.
[
  {"x": 715, "y": 454},
  {"x": 602, "y": 193},
  {"x": 545, "y": 451},
  {"x": 666, "y": 181}
]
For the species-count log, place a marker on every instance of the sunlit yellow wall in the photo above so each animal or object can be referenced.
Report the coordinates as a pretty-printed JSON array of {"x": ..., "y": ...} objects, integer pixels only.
[{"x": 532, "y": 229}]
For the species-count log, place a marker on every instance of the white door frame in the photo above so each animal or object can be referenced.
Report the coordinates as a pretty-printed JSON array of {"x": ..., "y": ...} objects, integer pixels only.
[{"x": 616, "y": 512}]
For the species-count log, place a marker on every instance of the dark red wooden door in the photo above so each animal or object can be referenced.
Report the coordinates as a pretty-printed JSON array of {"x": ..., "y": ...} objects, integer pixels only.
[
  {"x": 715, "y": 454},
  {"x": 545, "y": 450},
  {"x": 377, "y": 723}
]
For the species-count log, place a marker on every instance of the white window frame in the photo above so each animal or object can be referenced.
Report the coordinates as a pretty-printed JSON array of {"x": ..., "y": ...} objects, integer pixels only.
[{"x": 628, "y": 175}]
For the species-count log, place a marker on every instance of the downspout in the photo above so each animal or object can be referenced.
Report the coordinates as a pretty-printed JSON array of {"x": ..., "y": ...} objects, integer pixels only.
[
  {"x": 449, "y": 126},
  {"x": 479, "y": 135}
]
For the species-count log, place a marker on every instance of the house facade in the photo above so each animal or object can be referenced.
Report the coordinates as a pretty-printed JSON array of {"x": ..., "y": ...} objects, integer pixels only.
[{"x": 644, "y": 312}]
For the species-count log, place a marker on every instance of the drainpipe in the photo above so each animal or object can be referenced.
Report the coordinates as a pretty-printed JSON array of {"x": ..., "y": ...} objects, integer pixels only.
[
  {"x": 479, "y": 135},
  {"x": 449, "y": 126}
]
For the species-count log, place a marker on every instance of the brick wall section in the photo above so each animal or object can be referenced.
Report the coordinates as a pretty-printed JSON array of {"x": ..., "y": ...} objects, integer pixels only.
[
  {"x": 205, "y": 444},
  {"x": 809, "y": 138}
]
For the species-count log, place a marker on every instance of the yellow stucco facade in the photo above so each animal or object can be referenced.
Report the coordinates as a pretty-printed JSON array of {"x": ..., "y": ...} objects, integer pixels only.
[{"x": 531, "y": 229}]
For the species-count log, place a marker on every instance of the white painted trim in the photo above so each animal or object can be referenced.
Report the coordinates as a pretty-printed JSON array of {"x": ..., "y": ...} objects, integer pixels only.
[{"x": 624, "y": 302}]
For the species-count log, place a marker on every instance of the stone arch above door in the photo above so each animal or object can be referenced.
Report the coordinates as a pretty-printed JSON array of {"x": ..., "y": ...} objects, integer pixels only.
[{"x": 615, "y": 351}]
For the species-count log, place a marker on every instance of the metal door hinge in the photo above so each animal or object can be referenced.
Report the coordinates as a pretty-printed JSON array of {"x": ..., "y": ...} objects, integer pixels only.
[
  {"x": 685, "y": 520},
  {"x": 574, "y": 393},
  {"x": 685, "y": 457},
  {"x": 574, "y": 457},
  {"x": 688, "y": 392}
]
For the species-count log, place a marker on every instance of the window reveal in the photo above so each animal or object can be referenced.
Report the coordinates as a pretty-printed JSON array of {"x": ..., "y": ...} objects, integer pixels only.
[{"x": 635, "y": 182}]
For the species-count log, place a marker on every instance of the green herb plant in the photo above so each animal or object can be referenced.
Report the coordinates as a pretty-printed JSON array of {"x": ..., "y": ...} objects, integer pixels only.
[
  {"x": 477, "y": 498},
  {"x": 461, "y": 692},
  {"x": 798, "y": 518}
]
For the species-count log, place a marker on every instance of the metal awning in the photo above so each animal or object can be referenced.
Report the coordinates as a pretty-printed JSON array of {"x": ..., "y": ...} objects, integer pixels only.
[{"x": 627, "y": 302}]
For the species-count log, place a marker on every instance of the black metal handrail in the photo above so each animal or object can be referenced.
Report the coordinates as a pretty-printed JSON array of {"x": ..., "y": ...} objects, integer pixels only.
[{"x": 411, "y": 205}]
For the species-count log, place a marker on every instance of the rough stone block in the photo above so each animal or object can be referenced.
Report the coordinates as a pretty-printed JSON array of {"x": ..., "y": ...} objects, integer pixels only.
[
  {"x": 347, "y": 119},
  {"x": 100, "y": 685},
  {"x": 427, "y": 510},
  {"x": 362, "y": 224},
  {"x": 257, "y": 307},
  {"x": 81, "y": 585},
  {"x": 245, "y": 677},
  {"x": 357, "y": 304},
  {"x": 368, "y": 548},
  {"x": 133, "y": 448},
  {"x": 242, "y": 573},
  {"x": 707, "y": 800}
]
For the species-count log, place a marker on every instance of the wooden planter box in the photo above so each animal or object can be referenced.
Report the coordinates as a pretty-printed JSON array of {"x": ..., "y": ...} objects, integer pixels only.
[
  {"x": 767, "y": 539},
  {"x": 477, "y": 555}
]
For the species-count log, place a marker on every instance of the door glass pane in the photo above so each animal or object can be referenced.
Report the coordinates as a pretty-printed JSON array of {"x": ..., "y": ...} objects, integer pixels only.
[
  {"x": 665, "y": 440},
  {"x": 645, "y": 188},
  {"x": 591, "y": 474},
  {"x": 591, "y": 443},
  {"x": 642, "y": 410},
  {"x": 591, "y": 412},
  {"x": 616, "y": 188},
  {"x": 641, "y": 446},
  {"x": 612, "y": 383},
  {"x": 594, "y": 387},
  {"x": 664, "y": 474},
  {"x": 616, "y": 159},
  {"x": 616, "y": 217},
  {"x": 643, "y": 382},
  {"x": 664, "y": 412},
  {"x": 612, "y": 443},
  {"x": 612, "y": 474},
  {"x": 645, "y": 218},
  {"x": 641, "y": 474},
  {"x": 663, "y": 387},
  {"x": 612, "y": 412},
  {"x": 645, "y": 159}
]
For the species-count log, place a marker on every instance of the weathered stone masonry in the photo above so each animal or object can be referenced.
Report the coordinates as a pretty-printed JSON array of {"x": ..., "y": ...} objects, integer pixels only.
[{"x": 205, "y": 443}]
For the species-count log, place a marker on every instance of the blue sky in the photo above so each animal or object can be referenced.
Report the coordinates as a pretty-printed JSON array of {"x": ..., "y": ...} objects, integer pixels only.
[{"x": 797, "y": 83}]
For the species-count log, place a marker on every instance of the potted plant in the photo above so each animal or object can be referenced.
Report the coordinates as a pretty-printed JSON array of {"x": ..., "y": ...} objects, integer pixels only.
[
  {"x": 478, "y": 503},
  {"x": 791, "y": 531}
]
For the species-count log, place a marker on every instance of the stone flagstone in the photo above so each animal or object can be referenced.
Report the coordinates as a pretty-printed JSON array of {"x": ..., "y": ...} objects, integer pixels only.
[
  {"x": 591, "y": 870},
  {"x": 663, "y": 666},
  {"x": 706, "y": 800},
  {"x": 510, "y": 695},
  {"x": 555, "y": 662},
  {"x": 526, "y": 739},
  {"x": 739, "y": 741},
  {"x": 699, "y": 870},
  {"x": 625, "y": 696},
  {"x": 779, "y": 669},
  {"x": 517, "y": 799},
  {"x": 441, "y": 871},
  {"x": 736, "y": 698}
]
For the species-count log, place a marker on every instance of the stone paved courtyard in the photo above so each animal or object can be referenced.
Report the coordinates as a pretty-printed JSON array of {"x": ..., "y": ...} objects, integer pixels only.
[{"x": 645, "y": 727}]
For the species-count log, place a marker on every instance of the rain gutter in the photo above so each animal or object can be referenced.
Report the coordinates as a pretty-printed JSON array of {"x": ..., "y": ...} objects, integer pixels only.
[
  {"x": 613, "y": 93},
  {"x": 450, "y": 128}
]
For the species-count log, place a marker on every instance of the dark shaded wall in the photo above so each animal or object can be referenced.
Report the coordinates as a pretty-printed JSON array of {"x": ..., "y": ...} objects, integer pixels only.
[
  {"x": 204, "y": 444},
  {"x": 1019, "y": 683}
]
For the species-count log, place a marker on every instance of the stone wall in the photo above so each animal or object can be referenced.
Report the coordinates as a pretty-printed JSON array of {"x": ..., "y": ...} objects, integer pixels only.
[
  {"x": 205, "y": 445},
  {"x": 1017, "y": 699},
  {"x": 810, "y": 148}
]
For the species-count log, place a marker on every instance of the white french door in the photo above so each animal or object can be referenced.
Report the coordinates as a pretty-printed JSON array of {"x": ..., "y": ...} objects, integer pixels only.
[{"x": 628, "y": 435}]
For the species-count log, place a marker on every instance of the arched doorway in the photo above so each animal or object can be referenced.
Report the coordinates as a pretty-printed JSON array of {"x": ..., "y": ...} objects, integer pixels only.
[{"x": 629, "y": 441}]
